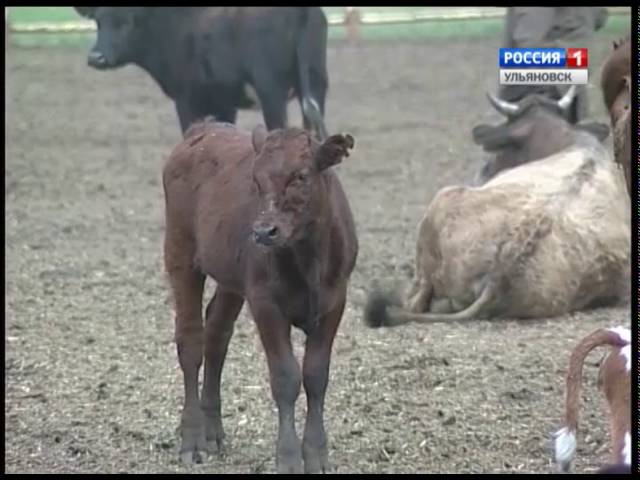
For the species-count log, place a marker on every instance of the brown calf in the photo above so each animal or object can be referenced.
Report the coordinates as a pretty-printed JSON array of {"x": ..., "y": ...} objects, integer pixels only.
[
  {"x": 266, "y": 217},
  {"x": 615, "y": 380},
  {"x": 615, "y": 82}
]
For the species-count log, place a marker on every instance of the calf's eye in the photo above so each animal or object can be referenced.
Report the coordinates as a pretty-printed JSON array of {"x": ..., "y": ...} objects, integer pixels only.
[{"x": 302, "y": 176}]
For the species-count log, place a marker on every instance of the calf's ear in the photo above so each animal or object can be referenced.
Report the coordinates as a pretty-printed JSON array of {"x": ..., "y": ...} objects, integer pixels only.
[
  {"x": 332, "y": 150},
  {"x": 258, "y": 136}
]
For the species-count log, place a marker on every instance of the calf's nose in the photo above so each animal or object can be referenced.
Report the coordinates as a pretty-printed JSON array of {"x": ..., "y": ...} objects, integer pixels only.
[{"x": 265, "y": 234}]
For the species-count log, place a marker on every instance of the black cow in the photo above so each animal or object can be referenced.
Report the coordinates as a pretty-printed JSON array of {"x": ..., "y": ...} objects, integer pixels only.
[
  {"x": 536, "y": 127},
  {"x": 204, "y": 57}
]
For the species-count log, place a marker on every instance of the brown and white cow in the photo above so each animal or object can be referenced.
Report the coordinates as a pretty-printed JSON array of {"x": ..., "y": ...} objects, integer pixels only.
[
  {"x": 539, "y": 239},
  {"x": 615, "y": 381},
  {"x": 615, "y": 82},
  {"x": 617, "y": 469}
]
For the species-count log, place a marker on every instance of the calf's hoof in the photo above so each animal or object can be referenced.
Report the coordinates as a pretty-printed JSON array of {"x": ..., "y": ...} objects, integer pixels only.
[
  {"x": 289, "y": 468},
  {"x": 317, "y": 466},
  {"x": 216, "y": 443},
  {"x": 194, "y": 447},
  {"x": 316, "y": 460},
  {"x": 291, "y": 463},
  {"x": 193, "y": 457}
]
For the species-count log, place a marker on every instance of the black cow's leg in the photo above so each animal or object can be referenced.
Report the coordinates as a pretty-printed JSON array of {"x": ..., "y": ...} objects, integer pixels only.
[
  {"x": 222, "y": 312},
  {"x": 316, "y": 376},
  {"x": 227, "y": 114},
  {"x": 187, "y": 114},
  {"x": 285, "y": 378},
  {"x": 187, "y": 285},
  {"x": 273, "y": 98}
]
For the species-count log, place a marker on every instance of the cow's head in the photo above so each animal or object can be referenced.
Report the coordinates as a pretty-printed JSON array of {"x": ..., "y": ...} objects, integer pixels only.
[
  {"x": 519, "y": 94},
  {"x": 615, "y": 82},
  {"x": 536, "y": 127},
  {"x": 621, "y": 104},
  {"x": 288, "y": 177},
  {"x": 621, "y": 126},
  {"x": 615, "y": 69},
  {"x": 121, "y": 34}
]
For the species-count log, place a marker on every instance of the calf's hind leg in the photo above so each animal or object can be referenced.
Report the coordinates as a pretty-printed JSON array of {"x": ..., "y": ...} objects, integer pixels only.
[
  {"x": 221, "y": 314},
  {"x": 187, "y": 285}
]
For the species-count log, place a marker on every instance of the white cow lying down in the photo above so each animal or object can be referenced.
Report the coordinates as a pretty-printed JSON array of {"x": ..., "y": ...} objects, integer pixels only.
[{"x": 538, "y": 240}]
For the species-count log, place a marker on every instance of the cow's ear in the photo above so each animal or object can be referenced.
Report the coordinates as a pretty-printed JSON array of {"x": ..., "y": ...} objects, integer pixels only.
[
  {"x": 481, "y": 133},
  {"x": 495, "y": 138},
  {"x": 88, "y": 12},
  {"x": 332, "y": 150},
  {"x": 597, "y": 129},
  {"x": 258, "y": 137}
]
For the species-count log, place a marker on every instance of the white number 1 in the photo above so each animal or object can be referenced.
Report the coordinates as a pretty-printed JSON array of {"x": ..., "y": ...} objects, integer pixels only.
[{"x": 578, "y": 56}]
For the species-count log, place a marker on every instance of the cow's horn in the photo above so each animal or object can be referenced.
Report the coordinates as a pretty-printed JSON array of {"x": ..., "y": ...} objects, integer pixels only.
[
  {"x": 566, "y": 100},
  {"x": 506, "y": 108}
]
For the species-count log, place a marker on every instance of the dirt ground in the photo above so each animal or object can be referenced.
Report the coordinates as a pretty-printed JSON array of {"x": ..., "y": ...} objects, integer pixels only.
[{"x": 92, "y": 378}]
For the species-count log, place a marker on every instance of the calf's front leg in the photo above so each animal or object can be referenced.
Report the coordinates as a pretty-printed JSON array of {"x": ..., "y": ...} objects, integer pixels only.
[
  {"x": 316, "y": 377},
  {"x": 221, "y": 314},
  {"x": 285, "y": 378}
]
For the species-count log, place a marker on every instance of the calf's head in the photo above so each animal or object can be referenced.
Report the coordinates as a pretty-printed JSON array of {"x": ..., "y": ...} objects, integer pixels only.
[
  {"x": 289, "y": 178},
  {"x": 121, "y": 34},
  {"x": 536, "y": 127}
]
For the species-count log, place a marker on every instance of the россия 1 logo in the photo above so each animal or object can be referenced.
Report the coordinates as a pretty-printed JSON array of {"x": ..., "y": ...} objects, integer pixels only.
[{"x": 544, "y": 66}]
